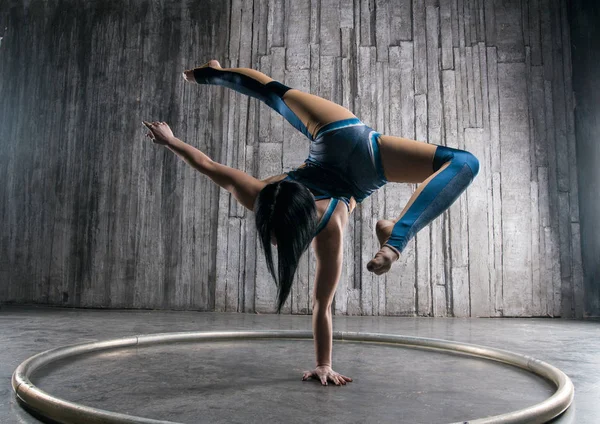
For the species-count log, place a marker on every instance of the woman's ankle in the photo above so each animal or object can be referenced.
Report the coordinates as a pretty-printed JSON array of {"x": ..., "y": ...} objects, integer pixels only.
[{"x": 393, "y": 250}]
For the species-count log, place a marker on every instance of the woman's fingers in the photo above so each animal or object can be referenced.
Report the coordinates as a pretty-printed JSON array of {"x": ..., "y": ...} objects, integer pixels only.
[
  {"x": 336, "y": 378},
  {"x": 307, "y": 375},
  {"x": 150, "y": 126},
  {"x": 154, "y": 123}
]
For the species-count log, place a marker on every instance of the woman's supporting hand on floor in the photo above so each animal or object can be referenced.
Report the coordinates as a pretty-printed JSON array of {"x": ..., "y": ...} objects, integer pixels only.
[{"x": 324, "y": 374}]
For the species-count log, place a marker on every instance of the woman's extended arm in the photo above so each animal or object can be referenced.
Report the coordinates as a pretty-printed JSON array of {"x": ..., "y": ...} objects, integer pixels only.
[
  {"x": 329, "y": 252},
  {"x": 242, "y": 186}
]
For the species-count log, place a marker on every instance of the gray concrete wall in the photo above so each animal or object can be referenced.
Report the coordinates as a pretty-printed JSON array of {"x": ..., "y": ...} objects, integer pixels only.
[
  {"x": 585, "y": 40},
  {"x": 94, "y": 215}
]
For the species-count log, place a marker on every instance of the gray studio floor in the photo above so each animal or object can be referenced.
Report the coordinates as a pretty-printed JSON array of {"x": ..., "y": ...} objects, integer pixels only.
[{"x": 260, "y": 381}]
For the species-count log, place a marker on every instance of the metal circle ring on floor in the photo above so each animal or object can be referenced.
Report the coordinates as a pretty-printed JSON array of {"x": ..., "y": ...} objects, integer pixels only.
[{"x": 63, "y": 411}]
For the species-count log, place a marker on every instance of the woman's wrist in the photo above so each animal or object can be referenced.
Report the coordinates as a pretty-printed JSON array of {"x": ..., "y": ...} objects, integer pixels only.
[
  {"x": 173, "y": 141},
  {"x": 322, "y": 332}
]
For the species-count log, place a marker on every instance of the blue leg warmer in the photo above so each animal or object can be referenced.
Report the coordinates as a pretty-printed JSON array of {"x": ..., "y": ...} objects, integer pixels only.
[{"x": 438, "y": 195}]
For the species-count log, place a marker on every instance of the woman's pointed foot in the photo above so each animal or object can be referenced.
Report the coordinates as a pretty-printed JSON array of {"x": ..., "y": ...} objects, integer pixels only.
[
  {"x": 189, "y": 74},
  {"x": 383, "y": 260}
]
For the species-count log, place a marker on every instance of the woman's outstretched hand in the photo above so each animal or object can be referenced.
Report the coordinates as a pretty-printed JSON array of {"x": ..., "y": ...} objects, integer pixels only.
[
  {"x": 324, "y": 374},
  {"x": 160, "y": 133}
]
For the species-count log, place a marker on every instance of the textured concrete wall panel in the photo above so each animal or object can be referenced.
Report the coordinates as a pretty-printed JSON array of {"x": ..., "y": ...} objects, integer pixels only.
[{"x": 93, "y": 215}]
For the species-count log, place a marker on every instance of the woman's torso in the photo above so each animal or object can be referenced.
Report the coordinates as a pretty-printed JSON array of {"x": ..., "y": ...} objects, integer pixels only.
[
  {"x": 343, "y": 168},
  {"x": 343, "y": 162}
]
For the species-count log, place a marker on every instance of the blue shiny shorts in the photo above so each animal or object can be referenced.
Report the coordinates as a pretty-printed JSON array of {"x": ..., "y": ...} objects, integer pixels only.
[{"x": 343, "y": 162}]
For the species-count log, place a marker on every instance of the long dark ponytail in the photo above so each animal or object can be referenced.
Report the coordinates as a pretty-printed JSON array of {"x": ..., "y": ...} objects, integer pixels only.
[{"x": 287, "y": 211}]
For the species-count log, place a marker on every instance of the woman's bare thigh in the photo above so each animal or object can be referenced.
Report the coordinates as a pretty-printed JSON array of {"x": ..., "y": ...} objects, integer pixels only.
[
  {"x": 315, "y": 112},
  {"x": 405, "y": 160}
]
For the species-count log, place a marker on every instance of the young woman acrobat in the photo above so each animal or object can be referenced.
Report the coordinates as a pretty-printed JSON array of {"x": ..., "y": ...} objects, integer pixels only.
[{"x": 347, "y": 162}]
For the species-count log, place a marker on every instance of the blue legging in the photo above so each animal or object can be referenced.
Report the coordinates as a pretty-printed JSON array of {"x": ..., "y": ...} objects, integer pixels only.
[
  {"x": 270, "y": 93},
  {"x": 438, "y": 195}
]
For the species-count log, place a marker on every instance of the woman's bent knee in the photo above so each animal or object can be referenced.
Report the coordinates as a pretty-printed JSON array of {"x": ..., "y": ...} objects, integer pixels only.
[{"x": 444, "y": 154}]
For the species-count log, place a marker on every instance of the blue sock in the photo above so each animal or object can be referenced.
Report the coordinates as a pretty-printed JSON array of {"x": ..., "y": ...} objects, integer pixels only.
[{"x": 439, "y": 194}]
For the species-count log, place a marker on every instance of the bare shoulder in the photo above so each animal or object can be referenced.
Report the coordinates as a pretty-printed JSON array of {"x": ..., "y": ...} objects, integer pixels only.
[
  {"x": 274, "y": 179},
  {"x": 280, "y": 177},
  {"x": 333, "y": 231}
]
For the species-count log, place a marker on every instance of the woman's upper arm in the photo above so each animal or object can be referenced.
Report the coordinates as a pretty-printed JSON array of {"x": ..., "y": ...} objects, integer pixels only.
[
  {"x": 328, "y": 245},
  {"x": 242, "y": 186}
]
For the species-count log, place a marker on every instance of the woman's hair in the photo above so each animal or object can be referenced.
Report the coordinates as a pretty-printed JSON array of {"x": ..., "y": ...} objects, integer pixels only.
[{"x": 287, "y": 211}]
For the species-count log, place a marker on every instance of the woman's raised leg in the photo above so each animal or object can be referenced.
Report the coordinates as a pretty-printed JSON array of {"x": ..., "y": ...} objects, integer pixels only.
[
  {"x": 306, "y": 112},
  {"x": 444, "y": 174}
]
